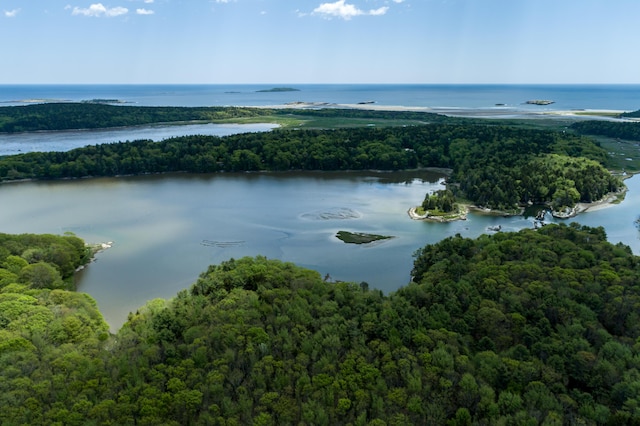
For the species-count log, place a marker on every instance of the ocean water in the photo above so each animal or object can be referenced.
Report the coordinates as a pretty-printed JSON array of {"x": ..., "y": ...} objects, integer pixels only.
[{"x": 513, "y": 97}]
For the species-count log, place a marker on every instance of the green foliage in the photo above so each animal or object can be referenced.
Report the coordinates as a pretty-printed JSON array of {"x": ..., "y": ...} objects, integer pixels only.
[
  {"x": 64, "y": 116},
  {"x": 546, "y": 302},
  {"x": 613, "y": 129},
  {"x": 534, "y": 327},
  {"x": 569, "y": 180},
  {"x": 441, "y": 201},
  {"x": 631, "y": 114},
  {"x": 359, "y": 237},
  {"x": 40, "y": 275},
  {"x": 49, "y": 339}
]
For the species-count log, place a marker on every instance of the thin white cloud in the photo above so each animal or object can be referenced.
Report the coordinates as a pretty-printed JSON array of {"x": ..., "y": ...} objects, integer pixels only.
[
  {"x": 398, "y": 1},
  {"x": 144, "y": 12},
  {"x": 151, "y": 1},
  {"x": 99, "y": 10},
  {"x": 11, "y": 13},
  {"x": 379, "y": 11},
  {"x": 346, "y": 11}
]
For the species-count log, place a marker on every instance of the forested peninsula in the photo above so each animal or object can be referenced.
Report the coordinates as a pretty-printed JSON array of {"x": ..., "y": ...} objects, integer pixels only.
[
  {"x": 73, "y": 116},
  {"x": 534, "y": 327},
  {"x": 494, "y": 165}
]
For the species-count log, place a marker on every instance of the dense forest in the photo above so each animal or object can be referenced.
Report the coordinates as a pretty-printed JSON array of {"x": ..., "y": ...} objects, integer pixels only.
[
  {"x": 527, "y": 328},
  {"x": 496, "y": 166},
  {"x": 632, "y": 114},
  {"x": 65, "y": 116},
  {"x": 625, "y": 130}
]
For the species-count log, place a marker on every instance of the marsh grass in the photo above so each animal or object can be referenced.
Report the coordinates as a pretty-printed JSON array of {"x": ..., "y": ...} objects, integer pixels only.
[{"x": 359, "y": 237}]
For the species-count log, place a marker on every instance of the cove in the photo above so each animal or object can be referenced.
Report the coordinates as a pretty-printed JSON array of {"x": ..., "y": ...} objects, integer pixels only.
[{"x": 167, "y": 229}]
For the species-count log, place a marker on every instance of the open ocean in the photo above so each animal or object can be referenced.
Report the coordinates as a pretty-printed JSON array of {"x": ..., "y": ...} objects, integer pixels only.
[{"x": 510, "y": 97}]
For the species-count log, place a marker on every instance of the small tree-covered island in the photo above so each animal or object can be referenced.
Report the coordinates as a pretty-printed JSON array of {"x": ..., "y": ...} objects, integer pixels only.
[{"x": 530, "y": 327}]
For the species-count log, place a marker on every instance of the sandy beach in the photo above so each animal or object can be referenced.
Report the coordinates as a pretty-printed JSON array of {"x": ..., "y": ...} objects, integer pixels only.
[{"x": 609, "y": 200}]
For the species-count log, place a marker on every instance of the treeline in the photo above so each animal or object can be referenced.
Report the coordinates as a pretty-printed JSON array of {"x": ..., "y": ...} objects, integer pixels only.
[
  {"x": 534, "y": 327},
  {"x": 634, "y": 114},
  {"x": 612, "y": 129},
  {"x": 340, "y": 113},
  {"x": 494, "y": 166},
  {"x": 65, "y": 116}
]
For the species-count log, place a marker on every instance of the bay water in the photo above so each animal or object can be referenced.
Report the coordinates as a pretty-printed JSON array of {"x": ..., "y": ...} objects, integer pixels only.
[
  {"x": 20, "y": 143},
  {"x": 167, "y": 229}
]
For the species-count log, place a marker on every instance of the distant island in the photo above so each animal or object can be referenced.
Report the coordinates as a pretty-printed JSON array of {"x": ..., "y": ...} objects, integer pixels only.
[
  {"x": 540, "y": 102},
  {"x": 278, "y": 89}
]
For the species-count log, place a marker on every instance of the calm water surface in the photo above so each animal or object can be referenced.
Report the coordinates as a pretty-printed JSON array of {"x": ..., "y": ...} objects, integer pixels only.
[
  {"x": 168, "y": 229},
  {"x": 19, "y": 143},
  {"x": 566, "y": 96}
]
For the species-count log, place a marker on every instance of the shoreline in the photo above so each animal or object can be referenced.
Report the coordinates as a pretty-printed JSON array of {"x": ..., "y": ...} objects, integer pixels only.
[
  {"x": 609, "y": 200},
  {"x": 95, "y": 249},
  {"x": 461, "y": 215},
  {"x": 486, "y": 112}
]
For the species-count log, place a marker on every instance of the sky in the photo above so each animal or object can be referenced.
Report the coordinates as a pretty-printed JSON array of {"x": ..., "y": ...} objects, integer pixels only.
[{"x": 319, "y": 41}]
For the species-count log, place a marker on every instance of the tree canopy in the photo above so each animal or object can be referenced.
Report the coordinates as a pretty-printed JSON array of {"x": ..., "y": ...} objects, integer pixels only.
[
  {"x": 534, "y": 327},
  {"x": 68, "y": 116},
  {"x": 622, "y": 130}
]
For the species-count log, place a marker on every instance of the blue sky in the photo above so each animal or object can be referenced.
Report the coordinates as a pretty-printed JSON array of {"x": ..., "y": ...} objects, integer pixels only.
[{"x": 319, "y": 41}]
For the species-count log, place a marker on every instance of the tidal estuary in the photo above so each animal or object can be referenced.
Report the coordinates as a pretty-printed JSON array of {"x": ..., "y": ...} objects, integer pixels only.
[{"x": 167, "y": 229}]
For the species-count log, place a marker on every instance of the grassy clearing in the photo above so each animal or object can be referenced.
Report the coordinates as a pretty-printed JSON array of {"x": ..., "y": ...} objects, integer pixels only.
[
  {"x": 612, "y": 114},
  {"x": 332, "y": 122},
  {"x": 281, "y": 120},
  {"x": 308, "y": 122}
]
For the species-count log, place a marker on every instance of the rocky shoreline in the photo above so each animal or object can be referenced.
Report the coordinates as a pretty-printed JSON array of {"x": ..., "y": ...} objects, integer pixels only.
[
  {"x": 607, "y": 201},
  {"x": 461, "y": 215},
  {"x": 95, "y": 249}
]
